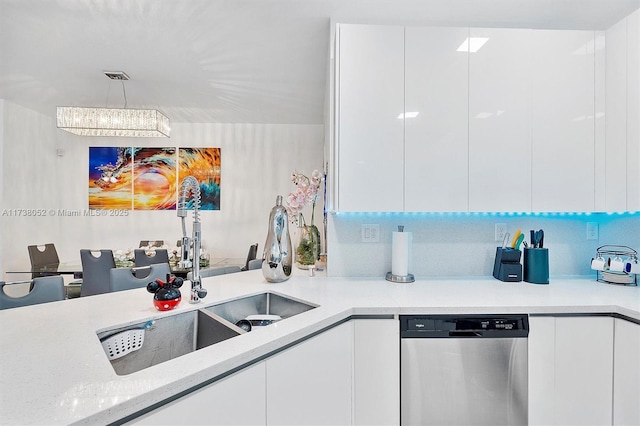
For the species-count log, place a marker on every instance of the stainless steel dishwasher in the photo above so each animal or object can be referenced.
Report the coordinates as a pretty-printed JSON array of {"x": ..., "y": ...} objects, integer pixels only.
[{"x": 463, "y": 370}]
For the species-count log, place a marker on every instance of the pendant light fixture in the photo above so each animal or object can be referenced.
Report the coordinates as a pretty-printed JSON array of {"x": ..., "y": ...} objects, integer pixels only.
[{"x": 125, "y": 122}]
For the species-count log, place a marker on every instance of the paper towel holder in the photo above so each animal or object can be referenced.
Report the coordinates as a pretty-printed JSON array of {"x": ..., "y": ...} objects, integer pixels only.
[
  {"x": 400, "y": 278},
  {"x": 409, "y": 278}
]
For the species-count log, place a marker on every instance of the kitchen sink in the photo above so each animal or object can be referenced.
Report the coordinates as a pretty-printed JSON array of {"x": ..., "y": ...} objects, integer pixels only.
[
  {"x": 259, "y": 304},
  {"x": 176, "y": 335}
]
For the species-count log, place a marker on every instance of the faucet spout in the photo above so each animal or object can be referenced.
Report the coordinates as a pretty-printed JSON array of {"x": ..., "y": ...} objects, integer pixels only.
[{"x": 188, "y": 186}]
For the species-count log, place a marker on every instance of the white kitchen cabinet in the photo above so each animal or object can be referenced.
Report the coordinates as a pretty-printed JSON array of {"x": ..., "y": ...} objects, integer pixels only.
[
  {"x": 622, "y": 158},
  {"x": 370, "y": 127},
  {"x": 376, "y": 393},
  {"x": 570, "y": 370},
  {"x": 541, "y": 370},
  {"x": 509, "y": 126},
  {"x": 626, "y": 373},
  {"x": 584, "y": 370},
  {"x": 311, "y": 382},
  {"x": 436, "y": 139},
  {"x": 562, "y": 120},
  {"x": 238, "y": 399},
  {"x": 633, "y": 111},
  {"x": 615, "y": 162},
  {"x": 499, "y": 121}
]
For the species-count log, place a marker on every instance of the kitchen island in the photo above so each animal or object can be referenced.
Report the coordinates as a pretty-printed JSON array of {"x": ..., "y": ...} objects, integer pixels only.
[{"x": 54, "y": 369}]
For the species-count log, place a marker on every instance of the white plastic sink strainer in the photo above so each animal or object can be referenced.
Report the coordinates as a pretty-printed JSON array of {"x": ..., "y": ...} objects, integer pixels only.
[{"x": 124, "y": 342}]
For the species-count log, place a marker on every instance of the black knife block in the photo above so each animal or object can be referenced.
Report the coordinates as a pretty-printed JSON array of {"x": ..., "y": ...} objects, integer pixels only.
[{"x": 507, "y": 265}]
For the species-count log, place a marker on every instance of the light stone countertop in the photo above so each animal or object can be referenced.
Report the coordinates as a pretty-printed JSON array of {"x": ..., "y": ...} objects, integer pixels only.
[{"x": 54, "y": 369}]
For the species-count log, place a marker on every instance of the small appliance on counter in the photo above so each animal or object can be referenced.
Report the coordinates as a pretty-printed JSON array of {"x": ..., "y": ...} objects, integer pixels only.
[{"x": 616, "y": 265}]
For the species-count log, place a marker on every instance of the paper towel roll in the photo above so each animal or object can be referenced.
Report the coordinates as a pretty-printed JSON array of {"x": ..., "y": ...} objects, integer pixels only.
[{"x": 400, "y": 253}]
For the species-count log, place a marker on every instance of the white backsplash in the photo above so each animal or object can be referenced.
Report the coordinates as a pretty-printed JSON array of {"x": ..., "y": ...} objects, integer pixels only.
[{"x": 463, "y": 244}]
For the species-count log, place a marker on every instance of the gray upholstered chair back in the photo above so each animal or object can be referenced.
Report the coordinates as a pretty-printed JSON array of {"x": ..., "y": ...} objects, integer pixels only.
[
  {"x": 47, "y": 256},
  {"x": 45, "y": 289},
  {"x": 152, "y": 243},
  {"x": 251, "y": 255},
  {"x": 140, "y": 257},
  {"x": 220, "y": 270},
  {"x": 96, "y": 272},
  {"x": 255, "y": 264},
  {"x": 130, "y": 278},
  {"x": 232, "y": 269}
]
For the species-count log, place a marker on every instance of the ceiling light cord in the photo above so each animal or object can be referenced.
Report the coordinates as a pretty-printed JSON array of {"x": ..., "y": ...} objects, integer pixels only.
[{"x": 124, "y": 92}]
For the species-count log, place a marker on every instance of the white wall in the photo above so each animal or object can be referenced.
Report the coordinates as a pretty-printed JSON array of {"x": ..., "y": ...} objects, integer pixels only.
[{"x": 257, "y": 160}]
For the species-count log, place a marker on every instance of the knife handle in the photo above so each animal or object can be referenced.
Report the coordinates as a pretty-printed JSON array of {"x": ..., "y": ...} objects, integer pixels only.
[
  {"x": 519, "y": 241},
  {"x": 515, "y": 238},
  {"x": 505, "y": 240}
]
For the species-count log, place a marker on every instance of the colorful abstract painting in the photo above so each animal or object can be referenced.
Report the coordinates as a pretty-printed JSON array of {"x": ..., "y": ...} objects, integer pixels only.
[
  {"x": 154, "y": 179},
  {"x": 203, "y": 164},
  {"x": 110, "y": 178}
]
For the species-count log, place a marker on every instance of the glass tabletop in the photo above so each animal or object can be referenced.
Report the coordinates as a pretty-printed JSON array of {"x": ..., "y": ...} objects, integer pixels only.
[{"x": 75, "y": 268}]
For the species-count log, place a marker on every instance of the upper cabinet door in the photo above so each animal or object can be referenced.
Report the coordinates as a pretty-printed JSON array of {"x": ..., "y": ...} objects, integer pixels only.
[
  {"x": 622, "y": 157},
  {"x": 436, "y": 123},
  {"x": 562, "y": 121},
  {"x": 499, "y": 120},
  {"x": 370, "y": 125}
]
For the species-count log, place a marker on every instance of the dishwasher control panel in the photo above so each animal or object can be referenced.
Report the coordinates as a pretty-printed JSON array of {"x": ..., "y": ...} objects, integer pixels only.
[{"x": 497, "y": 326}]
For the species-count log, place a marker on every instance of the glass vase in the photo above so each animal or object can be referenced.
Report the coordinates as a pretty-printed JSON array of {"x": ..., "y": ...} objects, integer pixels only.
[
  {"x": 308, "y": 250},
  {"x": 278, "y": 256}
]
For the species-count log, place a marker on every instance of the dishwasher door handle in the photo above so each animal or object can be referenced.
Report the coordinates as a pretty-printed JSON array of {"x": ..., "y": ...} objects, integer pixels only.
[{"x": 465, "y": 334}]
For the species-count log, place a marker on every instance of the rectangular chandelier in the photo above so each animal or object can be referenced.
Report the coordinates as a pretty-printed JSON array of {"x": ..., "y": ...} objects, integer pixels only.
[{"x": 124, "y": 122}]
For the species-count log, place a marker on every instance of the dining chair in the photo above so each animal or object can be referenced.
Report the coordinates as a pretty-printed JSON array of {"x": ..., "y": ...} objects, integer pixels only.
[
  {"x": 253, "y": 253},
  {"x": 44, "y": 289},
  {"x": 209, "y": 272},
  {"x": 255, "y": 264},
  {"x": 96, "y": 271},
  {"x": 232, "y": 269},
  {"x": 144, "y": 243},
  {"x": 42, "y": 255},
  {"x": 130, "y": 278},
  {"x": 140, "y": 257}
]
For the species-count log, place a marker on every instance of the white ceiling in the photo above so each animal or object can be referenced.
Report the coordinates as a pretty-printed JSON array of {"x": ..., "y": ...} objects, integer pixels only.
[{"x": 231, "y": 61}]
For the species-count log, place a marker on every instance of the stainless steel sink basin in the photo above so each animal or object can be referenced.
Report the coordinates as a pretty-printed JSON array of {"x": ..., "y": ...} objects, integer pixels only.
[
  {"x": 263, "y": 303},
  {"x": 171, "y": 337},
  {"x": 176, "y": 335}
]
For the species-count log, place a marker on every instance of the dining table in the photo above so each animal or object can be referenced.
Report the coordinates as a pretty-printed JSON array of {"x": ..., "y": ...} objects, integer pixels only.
[{"x": 75, "y": 267}]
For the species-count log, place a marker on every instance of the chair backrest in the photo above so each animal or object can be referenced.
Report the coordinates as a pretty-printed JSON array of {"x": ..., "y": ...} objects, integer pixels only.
[
  {"x": 232, "y": 269},
  {"x": 42, "y": 255},
  {"x": 96, "y": 272},
  {"x": 45, "y": 289},
  {"x": 220, "y": 270},
  {"x": 208, "y": 272},
  {"x": 151, "y": 243},
  {"x": 140, "y": 257},
  {"x": 130, "y": 278},
  {"x": 253, "y": 253},
  {"x": 255, "y": 264}
]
